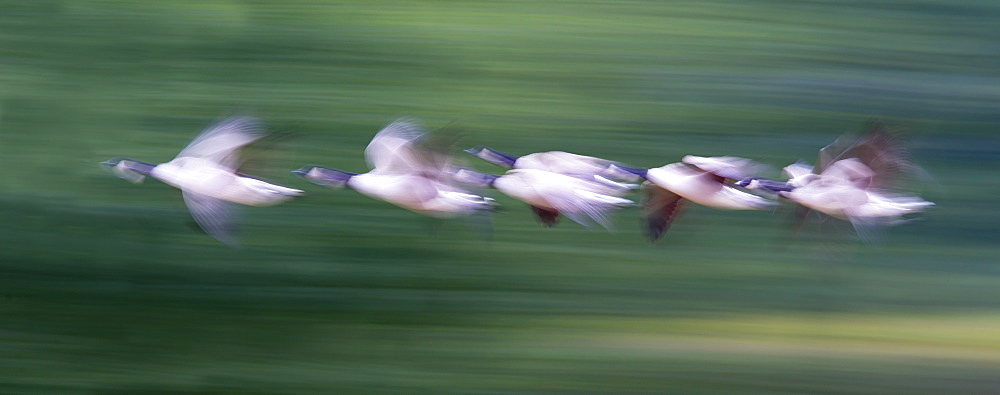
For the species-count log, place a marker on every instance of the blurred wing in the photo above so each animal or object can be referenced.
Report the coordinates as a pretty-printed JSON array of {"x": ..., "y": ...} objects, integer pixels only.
[
  {"x": 885, "y": 155},
  {"x": 596, "y": 206},
  {"x": 878, "y": 148},
  {"x": 724, "y": 166},
  {"x": 800, "y": 214},
  {"x": 220, "y": 142},
  {"x": 870, "y": 230},
  {"x": 264, "y": 156},
  {"x": 833, "y": 152},
  {"x": 797, "y": 170},
  {"x": 436, "y": 147},
  {"x": 393, "y": 149},
  {"x": 660, "y": 209},
  {"x": 214, "y": 216}
]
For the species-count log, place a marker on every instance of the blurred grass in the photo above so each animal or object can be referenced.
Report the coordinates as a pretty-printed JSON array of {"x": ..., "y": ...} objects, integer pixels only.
[{"x": 108, "y": 287}]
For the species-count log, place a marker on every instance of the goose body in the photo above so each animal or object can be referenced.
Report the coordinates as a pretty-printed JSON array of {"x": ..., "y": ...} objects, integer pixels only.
[
  {"x": 849, "y": 203},
  {"x": 704, "y": 188},
  {"x": 419, "y": 194},
  {"x": 406, "y": 173},
  {"x": 204, "y": 177},
  {"x": 854, "y": 180},
  {"x": 842, "y": 191},
  {"x": 551, "y": 194},
  {"x": 552, "y": 161},
  {"x": 205, "y": 172},
  {"x": 701, "y": 180}
]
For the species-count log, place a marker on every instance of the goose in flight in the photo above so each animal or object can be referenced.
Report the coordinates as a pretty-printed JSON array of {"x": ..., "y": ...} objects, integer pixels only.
[
  {"x": 855, "y": 179},
  {"x": 555, "y": 162},
  {"x": 206, "y": 172},
  {"x": 551, "y": 194},
  {"x": 407, "y": 170},
  {"x": 702, "y": 180}
]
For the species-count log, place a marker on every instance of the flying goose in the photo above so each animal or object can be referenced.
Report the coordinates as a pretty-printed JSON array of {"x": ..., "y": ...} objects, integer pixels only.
[
  {"x": 406, "y": 170},
  {"x": 702, "y": 180},
  {"x": 855, "y": 179},
  {"x": 552, "y": 194},
  {"x": 554, "y": 161},
  {"x": 206, "y": 172}
]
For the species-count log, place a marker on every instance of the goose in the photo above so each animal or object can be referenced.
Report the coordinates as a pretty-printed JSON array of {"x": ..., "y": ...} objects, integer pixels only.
[
  {"x": 553, "y": 161},
  {"x": 836, "y": 192},
  {"x": 698, "y": 179},
  {"x": 881, "y": 162},
  {"x": 405, "y": 171},
  {"x": 206, "y": 173},
  {"x": 855, "y": 180},
  {"x": 552, "y": 194}
]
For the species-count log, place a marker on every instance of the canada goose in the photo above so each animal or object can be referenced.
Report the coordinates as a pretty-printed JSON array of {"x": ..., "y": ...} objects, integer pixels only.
[
  {"x": 553, "y": 161},
  {"x": 882, "y": 162},
  {"x": 698, "y": 179},
  {"x": 405, "y": 171},
  {"x": 206, "y": 173},
  {"x": 836, "y": 194},
  {"x": 550, "y": 194},
  {"x": 855, "y": 179}
]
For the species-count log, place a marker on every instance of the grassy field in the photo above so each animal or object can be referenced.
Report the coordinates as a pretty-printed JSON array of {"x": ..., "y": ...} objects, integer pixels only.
[{"x": 108, "y": 287}]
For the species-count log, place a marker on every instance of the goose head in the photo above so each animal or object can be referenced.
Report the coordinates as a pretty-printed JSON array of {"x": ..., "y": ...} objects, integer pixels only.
[
  {"x": 758, "y": 183},
  {"x": 127, "y": 169},
  {"x": 626, "y": 173},
  {"x": 474, "y": 178},
  {"x": 324, "y": 176},
  {"x": 493, "y": 156}
]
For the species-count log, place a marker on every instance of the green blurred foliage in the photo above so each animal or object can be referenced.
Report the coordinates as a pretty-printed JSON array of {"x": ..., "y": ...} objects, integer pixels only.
[{"x": 109, "y": 287}]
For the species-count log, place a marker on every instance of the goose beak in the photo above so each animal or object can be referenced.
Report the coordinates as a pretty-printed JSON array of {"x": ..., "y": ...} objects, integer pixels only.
[
  {"x": 472, "y": 151},
  {"x": 108, "y": 163},
  {"x": 300, "y": 172}
]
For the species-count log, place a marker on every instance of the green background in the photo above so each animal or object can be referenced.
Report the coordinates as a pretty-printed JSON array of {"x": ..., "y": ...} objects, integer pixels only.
[{"x": 109, "y": 287}]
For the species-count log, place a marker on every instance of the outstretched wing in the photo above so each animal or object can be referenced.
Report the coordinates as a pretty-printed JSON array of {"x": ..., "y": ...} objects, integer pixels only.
[
  {"x": 214, "y": 216},
  {"x": 878, "y": 148},
  {"x": 220, "y": 142},
  {"x": 724, "y": 166},
  {"x": 394, "y": 149},
  {"x": 404, "y": 147},
  {"x": 659, "y": 209}
]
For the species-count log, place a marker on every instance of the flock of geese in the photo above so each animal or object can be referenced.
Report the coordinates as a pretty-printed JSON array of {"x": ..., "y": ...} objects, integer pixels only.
[{"x": 854, "y": 179}]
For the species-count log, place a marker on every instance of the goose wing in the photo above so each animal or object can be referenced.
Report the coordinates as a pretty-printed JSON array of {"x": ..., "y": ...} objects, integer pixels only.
[
  {"x": 878, "y": 148},
  {"x": 796, "y": 170},
  {"x": 564, "y": 163},
  {"x": 723, "y": 166},
  {"x": 659, "y": 209},
  {"x": 220, "y": 142},
  {"x": 575, "y": 198},
  {"x": 213, "y": 215},
  {"x": 404, "y": 147},
  {"x": 885, "y": 155}
]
